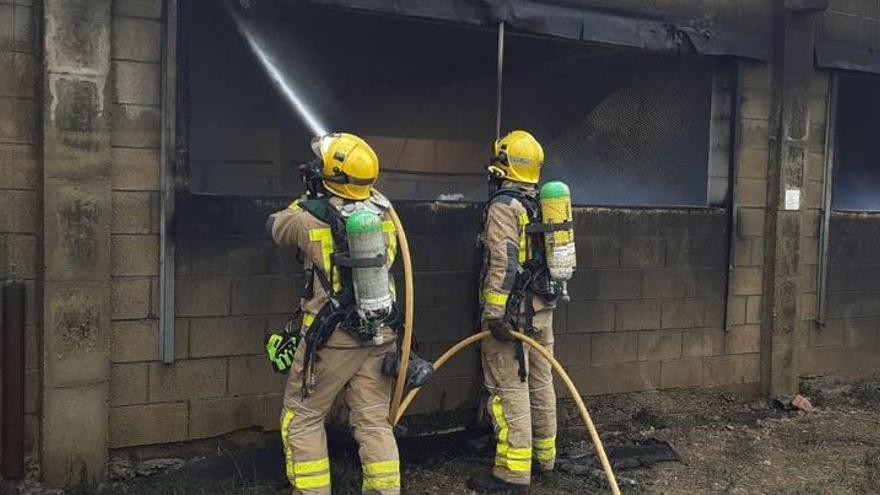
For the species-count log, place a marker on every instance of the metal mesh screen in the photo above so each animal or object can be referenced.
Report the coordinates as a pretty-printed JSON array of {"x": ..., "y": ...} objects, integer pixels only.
[
  {"x": 857, "y": 150},
  {"x": 622, "y": 128}
]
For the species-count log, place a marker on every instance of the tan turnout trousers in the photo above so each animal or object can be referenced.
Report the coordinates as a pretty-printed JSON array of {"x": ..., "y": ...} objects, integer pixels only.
[
  {"x": 343, "y": 366},
  {"x": 523, "y": 413}
]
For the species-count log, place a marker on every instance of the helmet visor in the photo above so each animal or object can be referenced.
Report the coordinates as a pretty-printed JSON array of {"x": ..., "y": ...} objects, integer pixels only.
[{"x": 320, "y": 144}]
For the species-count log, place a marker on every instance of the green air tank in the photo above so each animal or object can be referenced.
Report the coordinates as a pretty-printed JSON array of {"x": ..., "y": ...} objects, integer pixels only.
[
  {"x": 559, "y": 247},
  {"x": 366, "y": 242}
]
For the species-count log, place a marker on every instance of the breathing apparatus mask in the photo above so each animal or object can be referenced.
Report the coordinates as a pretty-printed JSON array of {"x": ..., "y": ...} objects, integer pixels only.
[
  {"x": 310, "y": 174},
  {"x": 496, "y": 173}
]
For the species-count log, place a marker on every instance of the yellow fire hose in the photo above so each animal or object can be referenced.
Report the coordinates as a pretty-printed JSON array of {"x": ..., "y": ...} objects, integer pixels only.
[
  {"x": 408, "y": 311},
  {"x": 398, "y": 408}
]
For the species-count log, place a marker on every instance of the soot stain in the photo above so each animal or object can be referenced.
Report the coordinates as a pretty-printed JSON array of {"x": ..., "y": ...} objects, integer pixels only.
[
  {"x": 80, "y": 219},
  {"x": 77, "y": 327},
  {"x": 77, "y": 109}
]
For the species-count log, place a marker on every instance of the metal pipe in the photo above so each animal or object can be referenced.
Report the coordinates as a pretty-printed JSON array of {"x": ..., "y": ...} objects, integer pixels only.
[
  {"x": 827, "y": 190},
  {"x": 12, "y": 447},
  {"x": 733, "y": 202},
  {"x": 500, "y": 78},
  {"x": 166, "y": 208}
]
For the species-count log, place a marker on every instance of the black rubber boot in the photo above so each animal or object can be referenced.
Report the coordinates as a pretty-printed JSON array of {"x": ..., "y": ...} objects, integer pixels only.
[
  {"x": 486, "y": 483},
  {"x": 540, "y": 474}
]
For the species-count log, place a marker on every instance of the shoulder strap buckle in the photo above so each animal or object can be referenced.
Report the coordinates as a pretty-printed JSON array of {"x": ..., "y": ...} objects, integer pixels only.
[
  {"x": 342, "y": 259},
  {"x": 540, "y": 228}
]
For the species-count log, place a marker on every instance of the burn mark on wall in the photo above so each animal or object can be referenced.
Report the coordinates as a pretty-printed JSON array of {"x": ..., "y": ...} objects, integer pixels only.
[
  {"x": 77, "y": 105},
  {"x": 77, "y": 36},
  {"x": 79, "y": 220},
  {"x": 81, "y": 38},
  {"x": 77, "y": 329}
]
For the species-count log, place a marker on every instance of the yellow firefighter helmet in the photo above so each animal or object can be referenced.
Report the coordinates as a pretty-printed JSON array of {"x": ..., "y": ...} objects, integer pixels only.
[
  {"x": 350, "y": 166},
  {"x": 518, "y": 157}
]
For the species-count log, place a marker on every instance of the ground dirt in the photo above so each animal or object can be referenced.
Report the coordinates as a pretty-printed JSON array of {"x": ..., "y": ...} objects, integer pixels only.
[{"x": 726, "y": 444}]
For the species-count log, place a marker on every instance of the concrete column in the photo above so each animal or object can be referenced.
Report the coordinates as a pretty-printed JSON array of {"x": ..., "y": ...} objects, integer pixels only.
[
  {"x": 789, "y": 149},
  {"x": 76, "y": 218}
]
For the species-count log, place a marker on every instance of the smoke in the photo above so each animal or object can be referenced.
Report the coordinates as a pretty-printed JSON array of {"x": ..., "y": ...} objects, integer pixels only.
[{"x": 284, "y": 84}]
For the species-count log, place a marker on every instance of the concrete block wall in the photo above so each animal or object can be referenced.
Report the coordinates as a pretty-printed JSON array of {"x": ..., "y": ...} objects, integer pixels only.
[
  {"x": 229, "y": 291},
  {"x": 852, "y": 22},
  {"x": 647, "y": 303},
  {"x": 19, "y": 181},
  {"x": 136, "y": 61},
  {"x": 814, "y": 339},
  {"x": 743, "y": 336},
  {"x": 849, "y": 343}
]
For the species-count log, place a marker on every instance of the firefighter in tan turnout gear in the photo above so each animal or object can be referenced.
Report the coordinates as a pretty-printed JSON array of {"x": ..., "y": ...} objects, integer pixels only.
[
  {"x": 346, "y": 241},
  {"x": 519, "y": 294}
]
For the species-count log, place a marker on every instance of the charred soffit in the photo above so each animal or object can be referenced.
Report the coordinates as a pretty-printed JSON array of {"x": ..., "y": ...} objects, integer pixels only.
[
  {"x": 567, "y": 19},
  {"x": 834, "y": 55}
]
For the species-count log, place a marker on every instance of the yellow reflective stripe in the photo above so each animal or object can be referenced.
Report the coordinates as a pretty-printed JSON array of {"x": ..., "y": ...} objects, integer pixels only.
[
  {"x": 519, "y": 460},
  {"x": 545, "y": 454},
  {"x": 524, "y": 453},
  {"x": 294, "y": 206},
  {"x": 388, "y": 228},
  {"x": 285, "y": 441},
  {"x": 523, "y": 239},
  {"x": 501, "y": 423},
  {"x": 519, "y": 466},
  {"x": 325, "y": 237},
  {"x": 381, "y": 475},
  {"x": 492, "y": 297},
  {"x": 516, "y": 459},
  {"x": 383, "y": 483},
  {"x": 311, "y": 467},
  {"x": 308, "y": 318},
  {"x": 312, "y": 482},
  {"x": 545, "y": 448},
  {"x": 544, "y": 443},
  {"x": 383, "y": 467}
]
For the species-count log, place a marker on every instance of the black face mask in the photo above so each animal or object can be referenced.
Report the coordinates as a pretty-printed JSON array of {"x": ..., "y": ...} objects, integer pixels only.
[
  {"x": 494, "y": 183},
  {"x": 310, "y": 174}
]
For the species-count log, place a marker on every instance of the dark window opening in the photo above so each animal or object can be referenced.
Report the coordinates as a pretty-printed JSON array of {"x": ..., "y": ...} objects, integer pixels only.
[
  {"x": 421, "y": 94},
  {"x": 856, "y": 147},
  {"x": 623, "y": 127}
]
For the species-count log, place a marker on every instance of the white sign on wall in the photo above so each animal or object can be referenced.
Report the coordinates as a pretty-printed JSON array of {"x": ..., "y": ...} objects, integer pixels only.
[{"x": 793, "y": 199}]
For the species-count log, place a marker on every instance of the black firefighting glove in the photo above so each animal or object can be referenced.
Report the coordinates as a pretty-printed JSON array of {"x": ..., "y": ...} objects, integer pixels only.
[
  {"x": 501, "y": 330},
  {"x": 417, "y": 372},
  {"x": 280, "y": 348}
]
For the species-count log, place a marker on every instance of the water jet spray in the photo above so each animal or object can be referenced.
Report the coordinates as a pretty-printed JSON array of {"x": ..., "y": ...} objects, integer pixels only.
[{"x": 284, "y": 84}]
